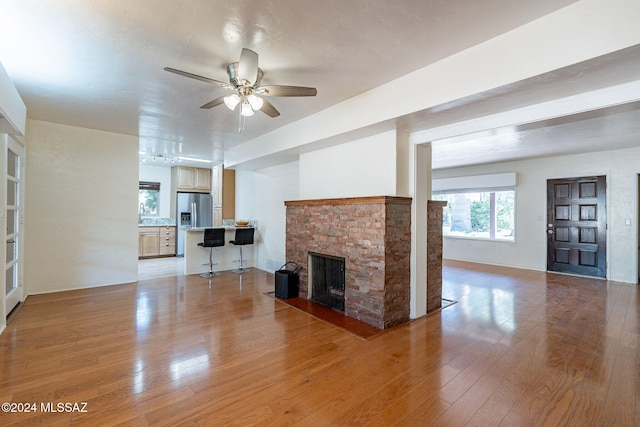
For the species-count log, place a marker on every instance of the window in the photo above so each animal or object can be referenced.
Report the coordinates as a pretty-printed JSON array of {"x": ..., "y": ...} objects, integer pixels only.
[
  {"x": 149, "y": 199},
  {"x": 479, "y": 207},
  {"x": 482, "y": 214}
]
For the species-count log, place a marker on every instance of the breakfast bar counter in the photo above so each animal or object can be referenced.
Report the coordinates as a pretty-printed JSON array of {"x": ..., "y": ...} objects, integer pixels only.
[{"x": 227, "y": 257}]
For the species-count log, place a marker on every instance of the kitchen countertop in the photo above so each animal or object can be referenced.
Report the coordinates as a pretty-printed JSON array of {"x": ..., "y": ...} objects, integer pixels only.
[
  {"x": 226, "y": 227},
  {"x": 227, "y": 224}
]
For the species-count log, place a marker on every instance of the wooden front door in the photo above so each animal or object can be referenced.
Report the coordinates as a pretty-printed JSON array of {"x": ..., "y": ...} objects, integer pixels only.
[{"x": 577, "y": 226}]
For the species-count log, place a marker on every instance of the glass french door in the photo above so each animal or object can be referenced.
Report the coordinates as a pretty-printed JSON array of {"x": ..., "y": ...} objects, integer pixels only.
[{"x": 13, "y": 179}]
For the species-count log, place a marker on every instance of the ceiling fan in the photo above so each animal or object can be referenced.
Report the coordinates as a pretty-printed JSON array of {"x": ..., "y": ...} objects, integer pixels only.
[{"x": 244, "y": 80}]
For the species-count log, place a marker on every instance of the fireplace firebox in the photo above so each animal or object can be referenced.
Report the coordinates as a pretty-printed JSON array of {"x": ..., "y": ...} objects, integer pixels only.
[{"x": 327, "y": 280}]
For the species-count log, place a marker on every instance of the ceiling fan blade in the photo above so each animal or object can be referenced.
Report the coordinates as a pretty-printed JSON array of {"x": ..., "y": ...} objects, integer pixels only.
[
  {"x": 269, "y": 109},
  {"x": 248, "y": 66},
  {"x": 288, "y": 91},
  {"x": 215, "y": 102},
  {"x": 197, "y": 77}
]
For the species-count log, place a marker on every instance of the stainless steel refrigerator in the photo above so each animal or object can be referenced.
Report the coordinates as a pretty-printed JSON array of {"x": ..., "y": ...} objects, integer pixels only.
[{"x": 193, "y": 210}]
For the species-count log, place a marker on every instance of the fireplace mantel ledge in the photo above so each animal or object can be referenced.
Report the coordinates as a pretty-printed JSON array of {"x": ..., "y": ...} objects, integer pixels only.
[{"x": 370, "y": 200}]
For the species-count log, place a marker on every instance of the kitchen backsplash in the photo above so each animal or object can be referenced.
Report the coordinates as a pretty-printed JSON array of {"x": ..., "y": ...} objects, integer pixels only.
[{"x": 151, "y": 221}]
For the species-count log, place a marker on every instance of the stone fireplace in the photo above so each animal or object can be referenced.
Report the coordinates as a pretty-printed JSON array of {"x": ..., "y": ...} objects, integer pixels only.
[{"x": 372, "y": 235}]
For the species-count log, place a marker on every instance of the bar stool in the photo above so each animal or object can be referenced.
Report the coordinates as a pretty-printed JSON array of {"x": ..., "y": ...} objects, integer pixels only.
[
  {"x": 244, "y": 236},
  {"x": 213, "y": 237}
]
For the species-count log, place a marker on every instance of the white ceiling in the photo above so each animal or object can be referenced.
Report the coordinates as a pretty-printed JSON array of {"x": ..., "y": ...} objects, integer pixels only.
[{"x": 99, "y": 64}]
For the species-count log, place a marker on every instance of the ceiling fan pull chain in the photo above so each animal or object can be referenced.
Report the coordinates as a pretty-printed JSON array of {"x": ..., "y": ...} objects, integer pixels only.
[{"x": 241, "y": 120}]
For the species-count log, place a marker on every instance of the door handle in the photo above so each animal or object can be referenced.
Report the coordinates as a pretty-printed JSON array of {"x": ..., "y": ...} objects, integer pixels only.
[{"x": 550, "y": 231}]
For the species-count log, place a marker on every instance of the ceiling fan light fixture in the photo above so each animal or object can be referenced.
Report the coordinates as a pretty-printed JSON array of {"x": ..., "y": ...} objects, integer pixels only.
[
  {"x": 231, "y": 101},
  {"x": 246, "y": 109},
  {"x": 245, "y": 80},
  {"x": 255, "y": 102}
]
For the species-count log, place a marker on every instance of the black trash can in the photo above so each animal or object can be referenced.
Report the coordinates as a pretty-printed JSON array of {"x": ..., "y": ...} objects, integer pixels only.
[{"x": 287, "y": 281}]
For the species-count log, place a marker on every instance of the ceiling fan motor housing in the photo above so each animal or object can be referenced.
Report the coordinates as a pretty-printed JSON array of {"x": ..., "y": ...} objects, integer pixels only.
[{"x": 232, "y": 71}]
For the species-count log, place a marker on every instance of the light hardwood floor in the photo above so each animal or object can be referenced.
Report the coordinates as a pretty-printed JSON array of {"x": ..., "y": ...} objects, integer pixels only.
[
  {"x": 152, "y": 268},
  {"x": 519, "y": 348}
]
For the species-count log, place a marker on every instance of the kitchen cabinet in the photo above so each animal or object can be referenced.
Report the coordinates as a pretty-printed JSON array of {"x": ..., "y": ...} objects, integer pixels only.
[
  {"x": 217, "y": 186},
  {"x": 202, "y": 180},
  {"x": 184, "y": 178},
  {"x": 156, "y": 241},
  {"x": 167, "y": 241},
  {"x": 148, "y": 242},
  {"x": 217, "y": 217},
  {"x": 194, "y": 180},
  {"x": 228, "y": 194},
  {"x": 224, "y": 194}
]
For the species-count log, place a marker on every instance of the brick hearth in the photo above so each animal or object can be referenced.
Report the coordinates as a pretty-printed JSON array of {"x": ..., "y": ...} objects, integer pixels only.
[{"x": 373, "y": 234}]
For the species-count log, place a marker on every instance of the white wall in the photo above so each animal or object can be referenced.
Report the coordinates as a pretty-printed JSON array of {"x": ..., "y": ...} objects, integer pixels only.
[
  {"x": 365, "y": 167},
  {"x": 162, "y": 175},
  {"x": 529, "y": 250},
  {"x": 81, "y": 208},
  {"x": 260, "y": 195}
]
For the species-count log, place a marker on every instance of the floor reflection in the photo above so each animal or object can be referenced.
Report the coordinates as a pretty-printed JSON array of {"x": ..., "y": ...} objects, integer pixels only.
[
  {"x": 138, "y": 377},
  {"x": 181, "y": 368},
  {"x": 143, "y": 312},
  {"x": 488, "y": 304}
]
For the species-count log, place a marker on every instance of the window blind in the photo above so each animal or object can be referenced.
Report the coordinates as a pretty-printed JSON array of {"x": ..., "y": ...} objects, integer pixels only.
[{"x": 475, "y": 184}]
